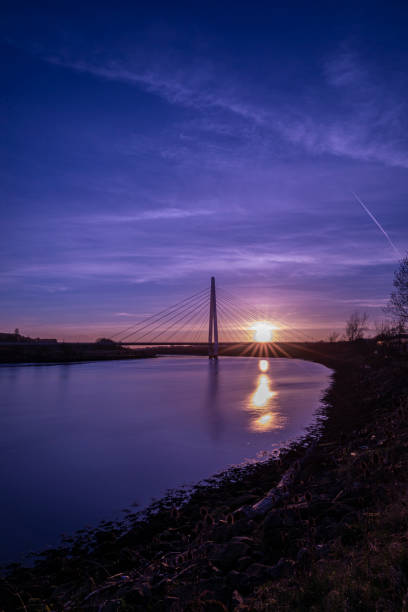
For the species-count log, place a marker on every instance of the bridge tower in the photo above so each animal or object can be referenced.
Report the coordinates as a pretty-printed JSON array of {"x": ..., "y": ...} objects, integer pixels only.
[{"x": 213, "y": 326}]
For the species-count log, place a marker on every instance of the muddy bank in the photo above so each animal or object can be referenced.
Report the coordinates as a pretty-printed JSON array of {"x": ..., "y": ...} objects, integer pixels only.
[{"x": 330, "y": 535}]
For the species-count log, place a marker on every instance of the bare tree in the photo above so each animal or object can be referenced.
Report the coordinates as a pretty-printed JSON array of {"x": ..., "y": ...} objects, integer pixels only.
[
  {"x": 333, "y": 336},
  {"x": 388, "y": 329},
  {"x": 383, "y": 330},
  {"x": 356, "y": 326},
  {"x": 398, "y": 304}
]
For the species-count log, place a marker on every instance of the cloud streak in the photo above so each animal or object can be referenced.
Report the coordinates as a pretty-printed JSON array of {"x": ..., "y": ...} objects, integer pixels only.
[{"x": 147, "y": 215}]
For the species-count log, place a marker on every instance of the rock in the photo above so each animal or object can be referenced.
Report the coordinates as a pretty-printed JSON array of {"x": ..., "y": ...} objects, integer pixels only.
[
  {"x": 237, "y": 579},
  {"x": 225, "y": 557},
  {"x": 214, "y": 605},
  {"x": 243, "y": 563},
  {"x": 327, "y": 530},
  {"x": 261, "y": 571},
  {"x": 303, "y": 556},
  {"x": 351, "y": 534},
  {"x": 350, "y": 518},
  {"x": 245, "y": 500},
  {"x": 319, "y": 508},
  {"x": 322, "y": 551},
  {"x": 284, "y": 567},
  {"x": 244, "y": 539},
  {"x": 254, "y": 575},
  {"x": 290, "y": 517},
  {"x": 273, "y": 519},
  {"x": 237, "y": 599}
]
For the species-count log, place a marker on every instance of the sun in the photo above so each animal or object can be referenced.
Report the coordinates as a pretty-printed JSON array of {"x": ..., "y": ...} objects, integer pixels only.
[{"x": 263, "y": 331}]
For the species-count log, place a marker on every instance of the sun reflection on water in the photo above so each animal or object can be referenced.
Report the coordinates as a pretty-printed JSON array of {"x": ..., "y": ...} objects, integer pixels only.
[
  {"x": 266, "y": 422},
  {"x": 263, "y": 365},
  {"x": 263, "y": 400},
  {"x": 262, "y": 393}
]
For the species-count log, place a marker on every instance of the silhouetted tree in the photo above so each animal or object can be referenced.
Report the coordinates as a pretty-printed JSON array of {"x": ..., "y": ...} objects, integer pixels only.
[
  {"x": 356, "y": 326},
  {"x": 333, "y": 336},
  {"x": 106, "y": 341},
  {"x": 398, "y": 304},
  {"x": 386, "y": 329},
  {"x": 17, "y": 331}
]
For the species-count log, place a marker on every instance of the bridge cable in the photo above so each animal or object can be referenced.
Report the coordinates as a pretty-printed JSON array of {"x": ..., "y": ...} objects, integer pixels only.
[
  {"x": 286, "y": 327},
  {"x": 181, "y": 318},
  {"x": 169, "y": 314},
  {"x": 166, "y": 310},
  {"x": 278, "y": 320}
]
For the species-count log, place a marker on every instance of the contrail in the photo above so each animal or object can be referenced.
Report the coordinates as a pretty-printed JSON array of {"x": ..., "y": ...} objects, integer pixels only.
[{"x": 378, "y": 224}]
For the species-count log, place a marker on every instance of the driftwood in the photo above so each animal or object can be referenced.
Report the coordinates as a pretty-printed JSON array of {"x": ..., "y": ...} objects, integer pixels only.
[{"x": 282, "y": 489}]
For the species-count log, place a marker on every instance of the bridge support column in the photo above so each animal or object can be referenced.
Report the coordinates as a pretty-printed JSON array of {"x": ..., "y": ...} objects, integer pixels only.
[{"x": 213, "y": 326}]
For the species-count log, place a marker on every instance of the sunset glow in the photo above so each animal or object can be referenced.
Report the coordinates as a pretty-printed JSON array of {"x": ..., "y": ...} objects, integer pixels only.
[{"x": 263, "y": 331}]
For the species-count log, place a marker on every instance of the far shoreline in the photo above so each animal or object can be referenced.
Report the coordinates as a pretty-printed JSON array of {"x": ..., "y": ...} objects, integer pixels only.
[{"x": 330, "y": 354}]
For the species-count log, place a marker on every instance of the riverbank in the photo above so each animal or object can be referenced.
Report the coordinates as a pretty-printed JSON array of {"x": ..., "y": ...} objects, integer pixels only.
[
  {"x": 330, "y": 354},
  {"x": 68, "y": 352},
  {"x": 330, "y": 535}
]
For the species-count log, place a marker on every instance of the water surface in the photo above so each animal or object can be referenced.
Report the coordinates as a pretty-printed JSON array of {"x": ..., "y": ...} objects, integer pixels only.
[{"x": 80, "y": 442}]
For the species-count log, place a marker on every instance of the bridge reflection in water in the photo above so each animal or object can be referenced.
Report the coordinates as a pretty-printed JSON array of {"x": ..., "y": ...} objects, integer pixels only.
[{"x": 264, "y": 400}]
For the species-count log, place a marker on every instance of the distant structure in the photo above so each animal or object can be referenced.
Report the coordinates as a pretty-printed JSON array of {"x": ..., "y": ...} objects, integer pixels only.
[{"x": 213, "y": 325}]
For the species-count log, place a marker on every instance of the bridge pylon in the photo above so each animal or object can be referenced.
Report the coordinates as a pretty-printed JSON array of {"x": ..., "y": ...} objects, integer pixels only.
[{"x": 213, "y": 324}]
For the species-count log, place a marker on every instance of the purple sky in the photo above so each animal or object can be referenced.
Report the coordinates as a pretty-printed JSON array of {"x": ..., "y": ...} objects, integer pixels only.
[{"x": 145, "y": 150}]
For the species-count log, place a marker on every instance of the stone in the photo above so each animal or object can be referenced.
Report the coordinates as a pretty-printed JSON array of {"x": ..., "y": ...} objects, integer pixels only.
[
  {"x": 225, "y": 557},
  {"x": 303, "y": 556}
]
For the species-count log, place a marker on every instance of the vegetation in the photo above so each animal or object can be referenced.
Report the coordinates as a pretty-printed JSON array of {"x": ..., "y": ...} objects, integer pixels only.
[
  {"x": 386, "y": 330},
  {"x": 398, "y": 304},
  {"x": 356, "y": 326},
  {"x": 333, "y": 336}
]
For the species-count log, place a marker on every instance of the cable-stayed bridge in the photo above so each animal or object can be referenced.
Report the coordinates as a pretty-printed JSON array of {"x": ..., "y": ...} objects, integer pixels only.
[
  {"x": 212, "y": 317},
  {"x": 209, "y": 322}
]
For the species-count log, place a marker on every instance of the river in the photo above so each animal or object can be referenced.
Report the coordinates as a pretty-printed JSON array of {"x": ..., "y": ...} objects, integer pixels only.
[{"x": 81, "y": 442}]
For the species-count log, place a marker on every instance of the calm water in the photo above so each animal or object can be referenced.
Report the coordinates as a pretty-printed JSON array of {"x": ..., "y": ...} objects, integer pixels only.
[{"x": 78, "y": 443}]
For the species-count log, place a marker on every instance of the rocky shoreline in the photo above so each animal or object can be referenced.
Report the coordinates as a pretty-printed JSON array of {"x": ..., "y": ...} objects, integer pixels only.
[{"x": 323, "y": 526}]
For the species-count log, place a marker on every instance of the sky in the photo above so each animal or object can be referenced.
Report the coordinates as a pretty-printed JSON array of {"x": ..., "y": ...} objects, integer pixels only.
[{"x": 148, "y": 146}]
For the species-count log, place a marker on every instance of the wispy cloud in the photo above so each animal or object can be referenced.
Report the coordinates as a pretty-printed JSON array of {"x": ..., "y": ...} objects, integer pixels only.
[
  {"x": 181, "y": 87},
  {"x": 345, "y": 70},
  {"x": 363, "y": 124},
  {"x": 146, "y": 215},
  {"x": 185, "y": 262}
]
